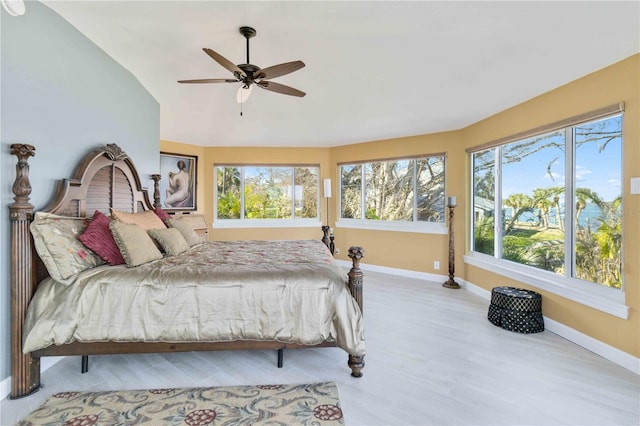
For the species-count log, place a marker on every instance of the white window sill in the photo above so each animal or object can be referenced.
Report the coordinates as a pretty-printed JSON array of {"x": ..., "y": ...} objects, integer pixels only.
[
  {"x": 602, "y": 298},
  {"x": 265, "y": 223},
  {"x": 395, "y": 226}
]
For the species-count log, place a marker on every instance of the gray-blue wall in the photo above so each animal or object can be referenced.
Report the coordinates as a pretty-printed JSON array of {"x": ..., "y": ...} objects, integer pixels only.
[{"x": 64, "y": 95}]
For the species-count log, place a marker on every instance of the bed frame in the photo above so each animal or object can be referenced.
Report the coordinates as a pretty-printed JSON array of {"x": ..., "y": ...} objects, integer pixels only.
[{"x": 106, "y": 178}]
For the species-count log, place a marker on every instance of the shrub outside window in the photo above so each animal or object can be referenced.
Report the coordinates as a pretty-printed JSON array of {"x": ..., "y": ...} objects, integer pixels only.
[{"x": 252, "y": 193}]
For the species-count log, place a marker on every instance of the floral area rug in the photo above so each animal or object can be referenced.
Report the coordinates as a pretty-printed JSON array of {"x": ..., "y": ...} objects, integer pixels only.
[{"x": 308, "y": 404}]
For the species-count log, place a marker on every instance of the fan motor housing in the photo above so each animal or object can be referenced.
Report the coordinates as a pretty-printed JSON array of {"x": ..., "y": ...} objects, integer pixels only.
[{"x": 249, "y": 69}]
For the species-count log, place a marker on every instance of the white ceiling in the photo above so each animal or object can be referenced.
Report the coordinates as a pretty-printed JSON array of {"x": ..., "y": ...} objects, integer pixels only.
[{"x": 374, "y": 70}]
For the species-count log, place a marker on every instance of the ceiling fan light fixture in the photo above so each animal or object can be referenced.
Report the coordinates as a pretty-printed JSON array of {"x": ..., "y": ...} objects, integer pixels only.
[
  {"x": 249, "y": 75},
  {"x": 244, "y": 92}
]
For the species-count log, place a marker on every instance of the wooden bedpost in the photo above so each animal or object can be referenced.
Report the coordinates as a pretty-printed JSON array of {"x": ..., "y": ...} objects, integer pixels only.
[
  {"x": 356, "y": 362},
  {"x": 156, "y": 190},
  {"x": 25, "y": 369}
]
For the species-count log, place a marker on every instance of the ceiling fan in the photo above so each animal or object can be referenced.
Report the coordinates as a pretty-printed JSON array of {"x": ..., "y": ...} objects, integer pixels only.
[{"x": 250, "y": 75}]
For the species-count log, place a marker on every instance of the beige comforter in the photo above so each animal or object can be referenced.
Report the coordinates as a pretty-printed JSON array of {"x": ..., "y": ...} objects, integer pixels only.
[{"x": 288, "y": 291}]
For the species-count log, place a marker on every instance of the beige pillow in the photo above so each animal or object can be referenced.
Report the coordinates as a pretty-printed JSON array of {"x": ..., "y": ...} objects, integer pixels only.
[
  {"x": 186, "y": 230},
  {"x": 135, "y": 245},
  {"x": 146, "y": 219},
  {"x": 171, "y": 240},
  {"x": 56, "y": 242}
]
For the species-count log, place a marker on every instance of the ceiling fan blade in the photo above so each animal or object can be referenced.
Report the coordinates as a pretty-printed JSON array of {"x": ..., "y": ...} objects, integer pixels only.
[
  {"x": 210, "y": 80},
  {"x": 279, "y": 70},
  {"x": 280, "y": 88},
  {"x": 224, "y": 62}
]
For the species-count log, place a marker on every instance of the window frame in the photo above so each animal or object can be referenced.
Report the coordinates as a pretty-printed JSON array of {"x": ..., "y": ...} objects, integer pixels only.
[
  {"x": 243, "y": 222},
  {"x": 606, "y": 299},
  {"x": 414, "y": 226}
]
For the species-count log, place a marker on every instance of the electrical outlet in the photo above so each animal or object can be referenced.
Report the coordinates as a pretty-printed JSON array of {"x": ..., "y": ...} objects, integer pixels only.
[
  {"x": 436, "y": 265},
  {"x": 337, "y": 250}
]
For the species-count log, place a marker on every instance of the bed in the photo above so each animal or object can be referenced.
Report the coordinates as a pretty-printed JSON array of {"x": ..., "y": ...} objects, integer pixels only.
[{"x": 206, "y": 296}]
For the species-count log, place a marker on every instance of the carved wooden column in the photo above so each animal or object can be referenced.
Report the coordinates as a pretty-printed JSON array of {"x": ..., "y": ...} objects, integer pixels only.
[
  {"x": 356, "y": 275},
  {"x": 451, "y": 282},
  {"x": 25, "y": 370},
  {"x": 325, "y": 235},
  {"x": 356, "y": 362},
  {"x": 156, "y": 190}
]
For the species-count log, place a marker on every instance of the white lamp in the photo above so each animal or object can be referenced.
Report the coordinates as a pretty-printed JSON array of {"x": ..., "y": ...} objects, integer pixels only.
[
  {"x": 327, "y": 188},
  {"x": 328, "y": 239},
  {"x": 243, "y": 93},
  {"x": 327, "y": 195}
]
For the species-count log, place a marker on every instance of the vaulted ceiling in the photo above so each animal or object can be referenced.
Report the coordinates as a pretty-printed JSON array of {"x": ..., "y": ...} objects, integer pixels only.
[{"x": 374, "y": 70}]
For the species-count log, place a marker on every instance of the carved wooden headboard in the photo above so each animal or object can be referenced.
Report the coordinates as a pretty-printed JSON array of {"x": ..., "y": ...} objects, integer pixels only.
[{"x": 106, "y": 178}]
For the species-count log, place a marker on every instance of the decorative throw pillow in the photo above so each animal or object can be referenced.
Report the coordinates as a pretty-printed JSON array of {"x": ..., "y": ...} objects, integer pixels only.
[
  {"x": 186, "y": 230},
  {"x": 135, "y": 244},
  {"x": 97, "y": 237},
  {"x": 146, "y": 219},
  {"x": 56, "y": 242},
  {"x": 171, "y": 240},
  {"x": 163, "y": 215}
]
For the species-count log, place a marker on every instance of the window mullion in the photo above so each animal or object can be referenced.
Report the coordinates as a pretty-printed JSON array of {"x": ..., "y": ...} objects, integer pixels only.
[
  {"x": 293, "y": 193},
  {"x": 569, "y": 197},
  {"x": 497, "y": 223},
  {"x": 242, "y": 192},
  {"x": 215, "y": 193},
  {"x": 363, "y": 195},
  {"x": 415, "y": 189}
]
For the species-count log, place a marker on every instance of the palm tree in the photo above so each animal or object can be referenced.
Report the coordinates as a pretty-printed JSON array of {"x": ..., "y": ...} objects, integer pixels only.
[
  {"x": 584, "y": 196},
  {"x": 581, "y": 203},
  {"x": 542, "y": 198},
  {"x": 520, "y": 203}
]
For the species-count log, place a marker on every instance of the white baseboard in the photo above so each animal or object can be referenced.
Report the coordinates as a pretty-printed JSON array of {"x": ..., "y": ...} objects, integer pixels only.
[
  {"x": 45, "y": 363},
  {"x": 395, "y": 271},
  {"x": 614, "y": 355}
]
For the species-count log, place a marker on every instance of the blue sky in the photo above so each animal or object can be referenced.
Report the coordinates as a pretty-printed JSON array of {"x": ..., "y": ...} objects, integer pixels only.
[{"x": 598, "y": 171}]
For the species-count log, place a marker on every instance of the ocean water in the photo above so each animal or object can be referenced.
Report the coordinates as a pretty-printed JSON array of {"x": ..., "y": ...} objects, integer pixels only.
[{"x": 589, "y": 216}]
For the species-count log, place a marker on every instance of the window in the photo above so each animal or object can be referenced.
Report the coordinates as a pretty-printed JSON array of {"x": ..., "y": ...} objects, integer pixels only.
[
  {"x": 403, "y": 193},
  {"x": 553, "y": 201},
  {"x": 265, "y": 194}
]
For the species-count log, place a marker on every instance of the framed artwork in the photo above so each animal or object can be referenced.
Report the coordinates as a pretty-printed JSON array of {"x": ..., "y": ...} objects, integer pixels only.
[{"x": 178, "y": 182}]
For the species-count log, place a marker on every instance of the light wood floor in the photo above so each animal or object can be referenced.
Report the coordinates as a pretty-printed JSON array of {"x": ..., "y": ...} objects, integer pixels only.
[{"x": 433, "y": 359}]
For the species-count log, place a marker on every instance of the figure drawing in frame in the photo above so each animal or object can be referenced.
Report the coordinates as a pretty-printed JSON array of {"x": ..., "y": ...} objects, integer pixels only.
[{"x": 177, "y": 186}]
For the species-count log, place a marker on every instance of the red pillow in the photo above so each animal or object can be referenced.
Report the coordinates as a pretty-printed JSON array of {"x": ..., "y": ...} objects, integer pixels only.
[
  {"x": 97, "y": 237},
  {"x": 164, "y": 216}
]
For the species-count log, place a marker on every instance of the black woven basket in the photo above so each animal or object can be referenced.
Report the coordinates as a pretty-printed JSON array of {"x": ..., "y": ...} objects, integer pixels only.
[{"x": 516, "y": 309}]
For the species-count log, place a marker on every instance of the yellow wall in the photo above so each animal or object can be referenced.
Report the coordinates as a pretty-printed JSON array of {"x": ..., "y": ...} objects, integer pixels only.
[
  {"x": 404, "y": 250},
  {"x": 413, "y": 251},
  {"x": 210, "y": 156},
  {"x": 201, "y": 183},
  {"x": 619, "y": 82}
]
